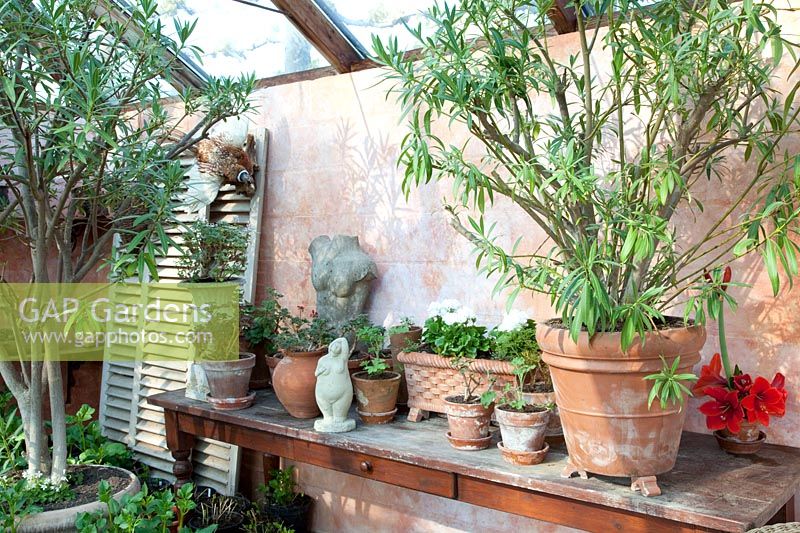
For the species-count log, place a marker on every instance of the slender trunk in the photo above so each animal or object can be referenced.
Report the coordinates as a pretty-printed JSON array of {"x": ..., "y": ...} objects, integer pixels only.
[
  {"x": 58, "y": 468},
  {"x": 35, "y": 440}
]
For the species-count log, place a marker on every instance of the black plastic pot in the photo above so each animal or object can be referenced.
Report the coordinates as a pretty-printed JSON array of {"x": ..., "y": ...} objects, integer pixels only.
[
  {"x": 203, "y": 493},
  {"x": 294, "y": 515},
  {"x": 157, "y": 484},
  {"x": 232, "y": 526}
]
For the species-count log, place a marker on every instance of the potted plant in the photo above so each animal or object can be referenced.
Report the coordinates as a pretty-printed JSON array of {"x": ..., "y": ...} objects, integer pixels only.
[
  {"x": 404, "y": 336},
  {"x": 302, "y": 342},
  {"x": 215, "y": 254},
  {"x": 515, "y": 338},
  {"x": 449, "y": 332},
  {"x": 357, "y": 352},
  {"x": 107, "y": 171},
  {"x": 739, "y": 405},
  {"x": 523, "y": 425},
  {"x": 601, "y": 173},
  {"x": 376, "y": 387},
  {"x": 468, "y": 414},
  {"x": 221, "y": 511},
  {"x": 260, "y": 326},
  {"x": 283, "y": 502}
]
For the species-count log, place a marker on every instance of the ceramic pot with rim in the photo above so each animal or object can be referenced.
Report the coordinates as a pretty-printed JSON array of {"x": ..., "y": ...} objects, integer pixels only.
[
  {"x": 294, "y": 382},
  {"x": 376, "y": 398},
  {"x": 602, "y": 397},
  {"x": 522, "y": 434},
  {"x": 229, "y": 382},
  {"x": 468, "y": 424}
]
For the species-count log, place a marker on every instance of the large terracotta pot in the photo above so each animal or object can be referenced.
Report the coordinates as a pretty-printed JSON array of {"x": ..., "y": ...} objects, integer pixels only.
[
  {"x": 294, "y": 382},
  {"x": 376, "y": 398},
  {"x": 602, "y": 397}
]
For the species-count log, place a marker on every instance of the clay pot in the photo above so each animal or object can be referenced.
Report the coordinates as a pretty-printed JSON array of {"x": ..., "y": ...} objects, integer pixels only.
[
  {"x": 522, "y": 431},
  {"x": 272, "y": 361},
  {"x": 468, "y": 424},
  {"x": 354, "y": 365},
  {"x": 294, "y": 382},
  {"x": 229, "y": 382},
  {"x": 602, "y": 397},
  {"x": 376, "y": 398},
  {"x": 748, "y": 441},
  {"x": 398, "y": 342},
  {"x": 554, "y": 430}
]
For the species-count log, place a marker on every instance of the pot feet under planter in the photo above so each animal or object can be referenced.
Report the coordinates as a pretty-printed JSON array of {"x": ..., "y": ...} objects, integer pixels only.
[
  {"x": 417, "y": 415},
  {"x": 647, "y": 485}
]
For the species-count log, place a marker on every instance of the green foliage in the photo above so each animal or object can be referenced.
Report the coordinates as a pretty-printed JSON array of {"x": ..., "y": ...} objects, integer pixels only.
[
  {"x": 262, "y": 322},
  {"x": 603, "y": 169},
  {"x": 372, "y": 338},
  {"x": 12, "y": 442},
  {"x": 15, "y": 504},
  {"x": 457, "y": 339},
  {"x": 281, "y": 488},
  {"x": 668, "y": 386},
  {"x": 143, "y": 512},
  {"x": 213, "y": 251},
  {"x": 472, "y": 380},
  {"x": 374, "y": 366},
  {"x": 256, "y": 524},
  {"x": 520, "y": 344},
  {"x": 300, "y": 334},
  {"x": 404, "y": 326},
  {"x": 87, "y": 445}
]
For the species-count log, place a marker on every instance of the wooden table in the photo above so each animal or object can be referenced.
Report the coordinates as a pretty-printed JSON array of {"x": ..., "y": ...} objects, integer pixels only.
[{"x": 708, "y": 490}]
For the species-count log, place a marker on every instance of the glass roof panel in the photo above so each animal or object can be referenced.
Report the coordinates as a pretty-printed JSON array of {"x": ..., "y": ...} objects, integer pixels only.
[{"x": 239, "y": 38}]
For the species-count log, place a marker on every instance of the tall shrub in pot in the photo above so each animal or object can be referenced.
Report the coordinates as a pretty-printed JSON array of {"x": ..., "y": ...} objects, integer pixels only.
[
  {"x": 601, "y": 159},
  {"x": 91, "y": 152}
]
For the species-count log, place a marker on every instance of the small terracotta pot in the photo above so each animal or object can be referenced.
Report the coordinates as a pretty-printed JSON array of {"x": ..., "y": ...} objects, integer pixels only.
[
  {"x": 376, "y": 398},
  {"x": 554, "y": 428},
  {"x": 469, "y": 422},
  {"x": 522, "y": 432},
  {"x": 399, "y": 342},
  {"x": 294, "y": 382},
  {"x": 749, "y": 432},
  {"x": 747, "y": 442},
  {"x": 354, "y": 365},
  {"x": 229, "y": 380}
]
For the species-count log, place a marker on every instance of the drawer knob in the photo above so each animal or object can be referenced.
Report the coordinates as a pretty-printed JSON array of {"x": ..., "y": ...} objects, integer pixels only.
[{"x": 366, "y": 466}]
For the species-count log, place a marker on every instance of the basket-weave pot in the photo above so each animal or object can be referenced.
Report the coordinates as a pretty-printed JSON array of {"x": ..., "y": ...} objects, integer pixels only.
[
  {"x": 602, "y": 397},
  {"x": 431, "y": 378}
]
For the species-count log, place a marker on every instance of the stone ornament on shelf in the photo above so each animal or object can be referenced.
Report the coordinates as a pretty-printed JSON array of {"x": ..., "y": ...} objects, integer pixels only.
[
  {"x": 334, "y": 390},
  {"x": 341, "y": 273},
  {"x": 197, "y": 383}
]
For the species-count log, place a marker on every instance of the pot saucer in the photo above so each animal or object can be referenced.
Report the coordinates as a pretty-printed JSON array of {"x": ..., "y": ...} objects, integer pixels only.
[
  {"x": 232, "y": 404},
  {"x": 523, "y": 458},
  {"x": 469, "y": 444},
  {"x": 735, "y": 446},
  {"x": 377, "y": 418}
]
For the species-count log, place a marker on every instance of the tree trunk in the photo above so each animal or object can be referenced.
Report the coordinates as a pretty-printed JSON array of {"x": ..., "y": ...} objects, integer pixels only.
[{"x": 58, "y": 469}]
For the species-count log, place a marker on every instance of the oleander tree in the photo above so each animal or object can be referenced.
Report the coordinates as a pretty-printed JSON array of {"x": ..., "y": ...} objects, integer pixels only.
[
  {"x": 602, "y": 144},
  {"x": 88, "y": 150}
]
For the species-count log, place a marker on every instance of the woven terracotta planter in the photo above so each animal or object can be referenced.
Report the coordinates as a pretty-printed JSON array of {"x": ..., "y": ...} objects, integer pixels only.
[
  {"x": 602, "y": 399},
  {"x": 430, "y": 378}
]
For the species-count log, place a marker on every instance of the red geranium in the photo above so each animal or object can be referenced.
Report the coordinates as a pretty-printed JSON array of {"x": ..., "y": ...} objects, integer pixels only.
[{"x": 724, "y": 411}]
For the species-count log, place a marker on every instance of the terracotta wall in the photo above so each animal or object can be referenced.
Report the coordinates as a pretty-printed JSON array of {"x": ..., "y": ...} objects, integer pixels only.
[{"x": 332, "y": 169}]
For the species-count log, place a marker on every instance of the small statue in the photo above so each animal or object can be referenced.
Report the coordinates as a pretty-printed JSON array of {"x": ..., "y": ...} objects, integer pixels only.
[
  {"x": 334, "y": 391},
  {"x": 341, "y": 273}
]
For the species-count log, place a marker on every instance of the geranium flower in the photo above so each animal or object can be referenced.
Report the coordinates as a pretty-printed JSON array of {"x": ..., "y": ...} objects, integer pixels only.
[
  {"x": 763, "y": 400},
  {"x": 513, "y": 320},
  {"x": 742, "y": 383},
  {"x": 710, "y": 376},
  {"x": 724, "y": 411}
]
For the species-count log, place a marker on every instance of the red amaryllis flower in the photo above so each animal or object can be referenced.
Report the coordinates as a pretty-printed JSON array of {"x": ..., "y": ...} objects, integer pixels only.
[
  {"x": 778, "y": 382},
  {"x": 742, "y": 383},
  {"x": 763, "y": 400},
  {"x": 724, "y": 411},
  {"x": 710, "y": 376}
]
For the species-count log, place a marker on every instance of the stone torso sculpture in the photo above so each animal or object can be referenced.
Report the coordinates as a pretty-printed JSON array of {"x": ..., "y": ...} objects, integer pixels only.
[
  {"x": 341, "y": 273},
  {"x": 334, "y": 390}
]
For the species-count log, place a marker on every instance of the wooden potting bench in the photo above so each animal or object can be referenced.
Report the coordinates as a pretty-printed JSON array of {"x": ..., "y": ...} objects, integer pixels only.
[{"x": 708, "y": 490}]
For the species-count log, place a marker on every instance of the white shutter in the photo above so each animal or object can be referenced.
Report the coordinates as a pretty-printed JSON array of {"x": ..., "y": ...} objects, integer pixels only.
[{"x": 125, "y": 415}]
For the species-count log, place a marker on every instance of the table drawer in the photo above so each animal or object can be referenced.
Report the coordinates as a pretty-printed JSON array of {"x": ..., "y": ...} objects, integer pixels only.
[{"x": 371, "y": 467}]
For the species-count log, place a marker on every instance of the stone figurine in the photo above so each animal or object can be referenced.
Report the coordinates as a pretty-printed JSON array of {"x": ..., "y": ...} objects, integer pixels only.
[
  {"x": 341, "y": 273},
  {"x": 334, "y": 390}
]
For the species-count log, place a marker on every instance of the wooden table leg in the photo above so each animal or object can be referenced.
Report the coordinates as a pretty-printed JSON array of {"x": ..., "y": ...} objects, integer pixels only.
[
  {"x": 180, "y": 445},
  {"x": 790, "y": 514}
]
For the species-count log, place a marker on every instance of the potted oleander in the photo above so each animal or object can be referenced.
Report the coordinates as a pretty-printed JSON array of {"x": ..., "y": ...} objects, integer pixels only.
[
  {"x": 449, "y": 333},
  {"x": 470, "y": 412},
  {"x": 215, "y": 255},
  {"x": 600, "y": 158},
  {"x": 376, "y": 386},
  {"x": 514, "y": 340},
  {"x": 302, "y": 341}
]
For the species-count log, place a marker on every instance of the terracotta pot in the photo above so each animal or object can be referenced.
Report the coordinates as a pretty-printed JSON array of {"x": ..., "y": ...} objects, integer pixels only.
[
  {"x": 749, "y": 432},
  {"x": 354, "y": 365},
  {"x": 468, "y": 422},
  {"x": 294, "y": 381},
  {"x": 554, "y": 428},
  {"x": 431, "y": 378},
  {"x": 522, "y": 432},
  {"x": 747, "y": 442},
  {"x": 602, "y": 397},
  {"x": 272, "y": 361},
  {"x": 399, "y": 342},
  {"x": 229, "y": 380},
  {"x": 376, "y": 398}
]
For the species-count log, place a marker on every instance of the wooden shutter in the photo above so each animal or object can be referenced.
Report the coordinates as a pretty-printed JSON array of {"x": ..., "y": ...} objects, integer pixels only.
[{"x": 129, "y": 377}]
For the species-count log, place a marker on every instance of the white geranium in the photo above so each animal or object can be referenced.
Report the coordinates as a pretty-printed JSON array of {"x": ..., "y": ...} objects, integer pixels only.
[
  {"x": 445, "y": 306},
  {"x": 459, "y": 316},
  {"x": 513, "y": 320}
]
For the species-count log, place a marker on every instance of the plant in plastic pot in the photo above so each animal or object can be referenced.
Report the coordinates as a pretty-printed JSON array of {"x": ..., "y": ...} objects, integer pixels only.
[
  {"x": 468, "y": 413},
  {"x": 224, "y": 512},
  {"x": 302, "y": 342},
  {"x": 600, "y": 147},
  {"x": 283, "y": 502},
  {"x": 376, "y": 387}
]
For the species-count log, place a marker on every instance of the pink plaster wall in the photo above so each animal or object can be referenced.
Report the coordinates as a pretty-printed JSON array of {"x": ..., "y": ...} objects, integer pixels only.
[{"x": 332, "y": 169}]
